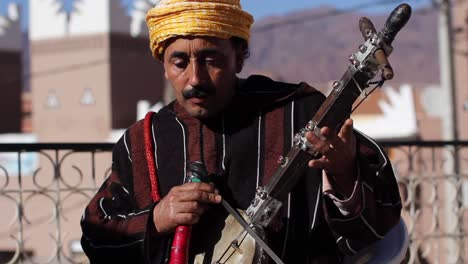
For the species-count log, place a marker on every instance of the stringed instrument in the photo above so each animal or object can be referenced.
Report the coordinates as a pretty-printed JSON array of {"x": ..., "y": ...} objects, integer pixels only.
[{"x": 236, "y": 244}]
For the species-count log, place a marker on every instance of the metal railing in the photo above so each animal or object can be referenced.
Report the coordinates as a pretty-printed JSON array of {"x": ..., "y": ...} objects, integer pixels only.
[
  {"x": 45, "y": 187},
  {"x": 43, "y": 191}
]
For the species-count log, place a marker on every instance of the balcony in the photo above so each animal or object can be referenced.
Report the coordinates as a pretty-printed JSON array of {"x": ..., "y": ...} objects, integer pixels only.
[{"x": 45, "y": 187}]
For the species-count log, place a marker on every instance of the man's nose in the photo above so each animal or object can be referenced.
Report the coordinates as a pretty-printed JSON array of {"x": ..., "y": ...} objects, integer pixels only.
[{"x": 197, "y": 74}]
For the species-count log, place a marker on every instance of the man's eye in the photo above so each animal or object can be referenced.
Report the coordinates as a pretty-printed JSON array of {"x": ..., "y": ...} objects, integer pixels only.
[
  {"x": 213, "y": 61},
  {"x": 210, "y": 61},
  {"x": 182, "y": 64}
]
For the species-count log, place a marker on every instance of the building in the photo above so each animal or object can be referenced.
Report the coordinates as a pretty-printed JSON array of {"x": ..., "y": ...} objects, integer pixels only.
[
  {"x": 87, "y": 75},
  {"x": 460, "y": 26},
  {"x": 10, "y": 70},
  {"x": 87, "y": 71}
]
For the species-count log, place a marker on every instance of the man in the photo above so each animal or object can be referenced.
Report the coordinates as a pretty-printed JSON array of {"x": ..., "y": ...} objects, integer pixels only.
[{"x": 237, "y": 128}]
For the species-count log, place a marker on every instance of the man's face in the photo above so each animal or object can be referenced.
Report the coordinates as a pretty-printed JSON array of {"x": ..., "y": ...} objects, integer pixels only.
[{"x": 202, "y": 71}]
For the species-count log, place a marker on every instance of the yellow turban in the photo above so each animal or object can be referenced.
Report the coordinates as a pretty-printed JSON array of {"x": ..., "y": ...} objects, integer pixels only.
[{"x": 216, "y": 18}]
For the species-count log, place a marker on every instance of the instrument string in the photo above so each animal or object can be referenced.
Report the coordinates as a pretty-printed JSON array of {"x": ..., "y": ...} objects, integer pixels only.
[
  {"x": 379, "y": 84},
  {"x": 202, "y": 154}
]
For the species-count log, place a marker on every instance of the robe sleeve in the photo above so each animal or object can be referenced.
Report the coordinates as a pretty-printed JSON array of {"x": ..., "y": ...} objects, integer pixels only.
[
  {"x": 117, "y": 223},
  {"x": 374, "y": 206}
]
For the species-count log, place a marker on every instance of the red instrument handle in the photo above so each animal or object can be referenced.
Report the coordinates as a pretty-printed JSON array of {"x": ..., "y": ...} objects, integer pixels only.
[{"x": 180, "y": 245}]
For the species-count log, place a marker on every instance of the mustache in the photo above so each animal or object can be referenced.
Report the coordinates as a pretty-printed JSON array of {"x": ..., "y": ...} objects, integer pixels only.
[{"x": 196, "y": 92}]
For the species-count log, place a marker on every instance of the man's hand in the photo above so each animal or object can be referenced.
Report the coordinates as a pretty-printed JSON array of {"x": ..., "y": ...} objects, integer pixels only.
[
  {"x": 338, "y": 156},
  {"x": 183, "y": 205}
]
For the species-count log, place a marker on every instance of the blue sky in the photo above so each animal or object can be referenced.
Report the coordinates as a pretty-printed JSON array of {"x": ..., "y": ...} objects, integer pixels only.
[{"x": 262, "y": 8}]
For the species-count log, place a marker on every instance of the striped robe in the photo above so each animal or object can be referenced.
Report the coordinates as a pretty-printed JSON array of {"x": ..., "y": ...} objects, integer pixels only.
[{"x": 240, "y": 148}]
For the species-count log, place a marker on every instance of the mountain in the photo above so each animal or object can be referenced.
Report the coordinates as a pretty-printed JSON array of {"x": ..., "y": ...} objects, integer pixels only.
[{"x": 313, "y": 46}]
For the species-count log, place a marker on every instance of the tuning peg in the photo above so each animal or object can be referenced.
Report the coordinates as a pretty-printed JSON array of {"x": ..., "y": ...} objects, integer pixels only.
[
  {"x": 366, "y": 27},
  {"x": 384, "y": 64}
]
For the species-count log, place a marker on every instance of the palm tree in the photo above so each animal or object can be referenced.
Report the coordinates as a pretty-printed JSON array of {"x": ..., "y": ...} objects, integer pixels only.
[
  {"x": 68, "y": 7},
  {"x": 138, "y": 13}
]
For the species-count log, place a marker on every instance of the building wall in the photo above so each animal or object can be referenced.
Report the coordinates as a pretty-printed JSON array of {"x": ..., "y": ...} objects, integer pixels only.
[
  {"x": 460, "y": 24},
  {"x": 135, "y": 76},
  {"x": 10, "y": 70},
  {"x": 85, "y": 86},
  {"x": 71, "y": 89},
  {"x": 47, "y": 20},
  {"x": 89, "y": 68},
  {"x": 461, "y": 73},
  {"x": 26, "y": 109},
  {"x": 10, "y": 87}
]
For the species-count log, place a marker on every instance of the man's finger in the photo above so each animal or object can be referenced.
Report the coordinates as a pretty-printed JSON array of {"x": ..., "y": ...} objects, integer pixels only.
[
  {"x": 196, "y": 186},
  {"x": 317, "y": 142},
  {"x": 201, "y": 196},
  {"x": 187, "y": 218},
  {"x": 321, "y": 163},
  {"x": 193, "y": 207},
  {"x": 346, "y": 131},
  {"x": 315, "y": 164}
]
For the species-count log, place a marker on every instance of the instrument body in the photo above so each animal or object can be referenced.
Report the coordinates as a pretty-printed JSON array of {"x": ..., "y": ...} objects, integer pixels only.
[{"x": 235, "y": 245}]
